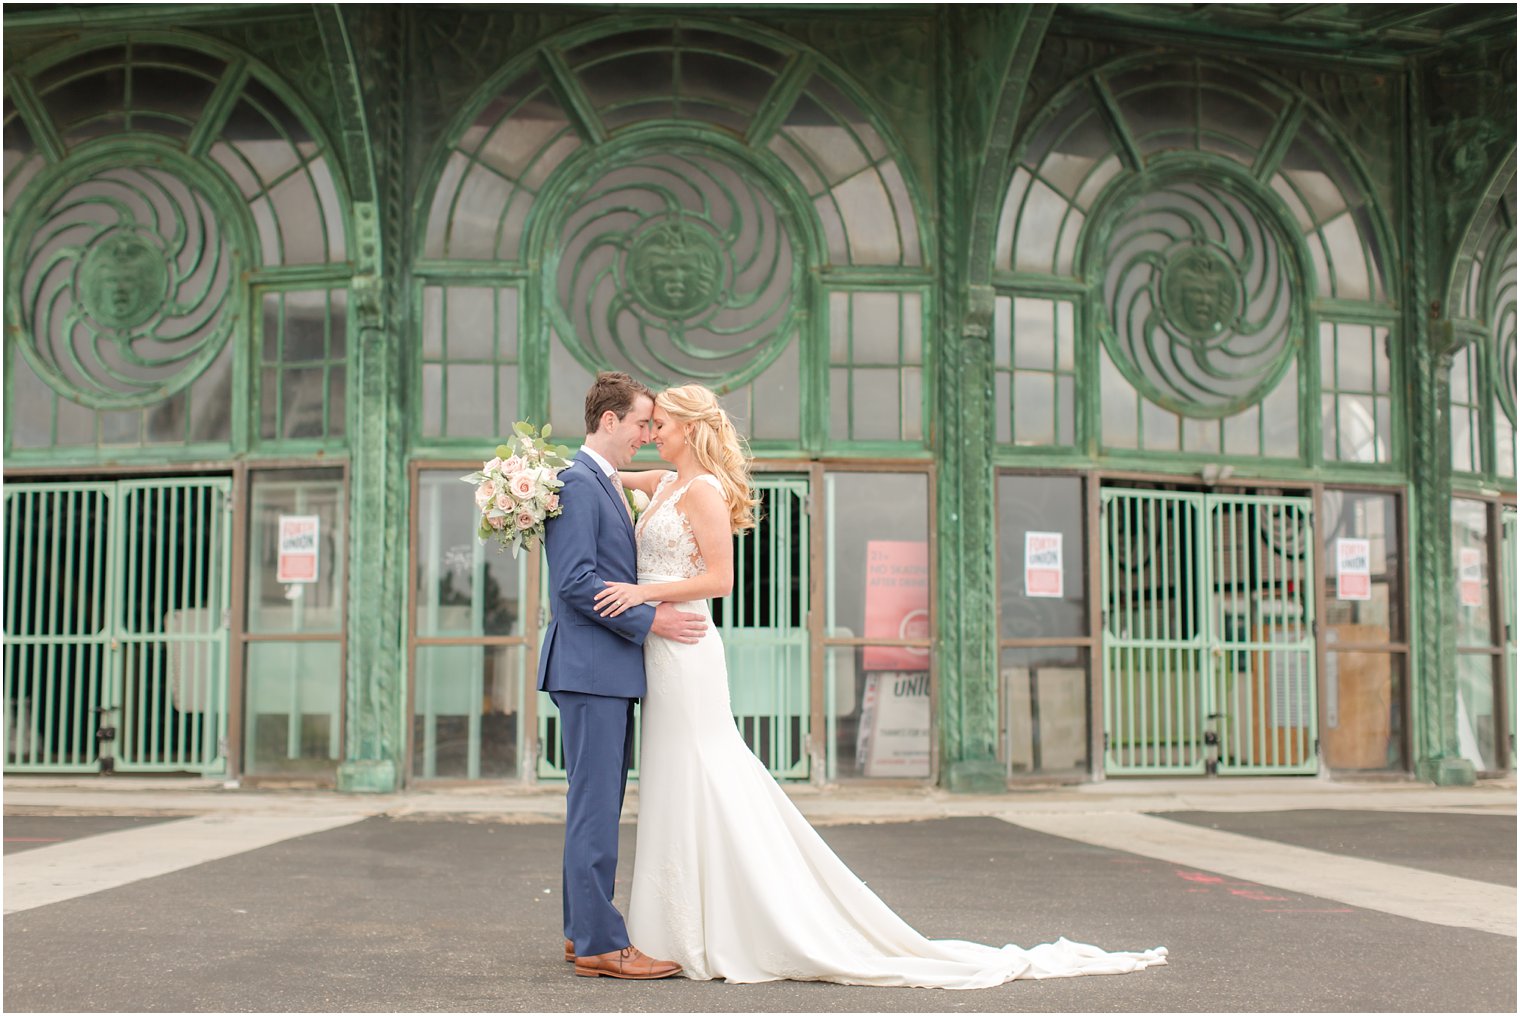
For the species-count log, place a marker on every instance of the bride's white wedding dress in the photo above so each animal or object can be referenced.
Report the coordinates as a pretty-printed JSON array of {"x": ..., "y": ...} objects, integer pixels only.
[{"x": 729, "y": 880}]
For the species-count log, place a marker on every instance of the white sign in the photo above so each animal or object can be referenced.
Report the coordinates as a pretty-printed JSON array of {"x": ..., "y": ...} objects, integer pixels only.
[
  {"x": 1042, "y": 565},
  {"x": 1471, "y": 576},
  {"x": 298, "y": 549},
  {"x": 1353, "y": 569},
  {"x": 894, "y": 724}
]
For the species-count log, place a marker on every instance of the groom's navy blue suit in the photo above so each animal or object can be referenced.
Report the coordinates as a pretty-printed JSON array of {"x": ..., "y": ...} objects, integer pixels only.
[{"x": 593, "y": 668}]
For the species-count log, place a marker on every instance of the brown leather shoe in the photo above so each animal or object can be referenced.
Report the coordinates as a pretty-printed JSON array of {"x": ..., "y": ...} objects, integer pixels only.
[
  {"x": 628, "y": 964},
  {"x": 569, "y": 951}
]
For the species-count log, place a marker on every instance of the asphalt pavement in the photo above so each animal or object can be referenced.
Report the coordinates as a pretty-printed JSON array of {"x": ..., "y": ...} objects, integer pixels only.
[{"x": 450, "y": 902}]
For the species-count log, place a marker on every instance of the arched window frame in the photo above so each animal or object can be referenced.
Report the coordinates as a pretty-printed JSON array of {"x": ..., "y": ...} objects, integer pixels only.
[
  {"x": 261, "y": 206},
  {"x": 517, "y": 374},
  {"x": 1282, "y": 115},
  {"x": 1482, "y": 401}
]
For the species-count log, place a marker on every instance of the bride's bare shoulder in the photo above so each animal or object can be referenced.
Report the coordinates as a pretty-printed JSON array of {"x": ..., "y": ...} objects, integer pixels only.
[{"x": 646, "y": 479}]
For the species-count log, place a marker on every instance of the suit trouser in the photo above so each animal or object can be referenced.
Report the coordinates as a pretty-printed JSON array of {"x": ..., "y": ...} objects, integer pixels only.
[{"x": 597, "y": 732}]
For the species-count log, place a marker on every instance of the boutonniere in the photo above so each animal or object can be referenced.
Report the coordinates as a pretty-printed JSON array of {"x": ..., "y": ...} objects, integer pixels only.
[{"x": 637, "y": 501}]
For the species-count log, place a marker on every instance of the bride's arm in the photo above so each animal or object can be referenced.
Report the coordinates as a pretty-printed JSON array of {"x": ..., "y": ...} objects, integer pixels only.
[
  {"x": 705, "y": 509},
  {"x": 645, "y": 479}
]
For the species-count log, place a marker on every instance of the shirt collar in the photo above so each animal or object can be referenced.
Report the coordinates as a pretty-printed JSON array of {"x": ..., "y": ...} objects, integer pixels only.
[{"x": 603, "y": 463}]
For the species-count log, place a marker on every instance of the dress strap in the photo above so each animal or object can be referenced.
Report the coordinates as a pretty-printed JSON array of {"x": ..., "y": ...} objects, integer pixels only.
[{"x": 712, "y": 481}]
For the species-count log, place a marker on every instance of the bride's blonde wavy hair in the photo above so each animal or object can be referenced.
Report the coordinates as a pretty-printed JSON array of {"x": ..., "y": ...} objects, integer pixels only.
[{"x": 716, "y": 445}]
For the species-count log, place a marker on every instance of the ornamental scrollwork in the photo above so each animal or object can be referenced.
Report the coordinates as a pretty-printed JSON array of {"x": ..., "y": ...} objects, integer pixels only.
[
  {"x": 1199, "y": 306},
  {"x": 676, "y": 264},
  {"x": 126, "y": 289}
]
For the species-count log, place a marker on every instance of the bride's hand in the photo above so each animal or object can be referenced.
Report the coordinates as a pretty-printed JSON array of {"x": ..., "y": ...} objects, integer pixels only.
[{"x": 618, "y": 597}]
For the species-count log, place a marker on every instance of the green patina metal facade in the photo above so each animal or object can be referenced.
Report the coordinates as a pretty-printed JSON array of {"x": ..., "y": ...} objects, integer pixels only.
[{"x": 1213, "y": 292}]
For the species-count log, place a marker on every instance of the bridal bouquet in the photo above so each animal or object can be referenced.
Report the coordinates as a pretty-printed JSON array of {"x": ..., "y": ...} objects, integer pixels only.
[{"x": 518, "y": 489}]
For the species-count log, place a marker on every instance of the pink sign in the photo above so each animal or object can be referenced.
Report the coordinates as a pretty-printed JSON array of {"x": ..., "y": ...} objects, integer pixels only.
[
  {"x": 1042, "y": 565},
  {"x": 1353, "y": 570},
  {"x": 298, "y": 549},
  {"x": 1470, "y": 576},
  {"x": 897, "y": 603}
]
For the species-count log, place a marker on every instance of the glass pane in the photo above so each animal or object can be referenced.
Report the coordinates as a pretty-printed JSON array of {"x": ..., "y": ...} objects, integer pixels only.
[
  {"x": 568, "y": 383},
  {"x": 29, "y": 406},
  {"x": 296, "y": 584},
  {"x": 470, "y": 402},
  {"x": 1364, "y": 709},
  {"x": 463, "y": 586},
  {"x": 1034, "y": 333},
  {"x": 876, "y": 407},
  {"x": 877, "y": 527},
  {"x": 1476, "y": 732},
  {"x": 1046, "y": 709},
  {"x": 1364, "y": 595},
  {"x": 293, "y": 713},
  {"x": 876, "y": 328},
  {"x": 877, "y": 720},
  {"x": 1034, "y": 407},
  {"x": 1033, "y": 601},
  {"x": 1354, "y": 357},
  {"x": 302, "y": 413},
  {"x": 471, "y": 323},
  {"x": 1469, "y": 561},
  {"x": 466, "y": 710},
  {"x": 777, "y": 399},
  {"x": 305, "y": 338}
]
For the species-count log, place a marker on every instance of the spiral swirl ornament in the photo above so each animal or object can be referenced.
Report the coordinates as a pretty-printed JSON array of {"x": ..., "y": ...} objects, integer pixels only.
[
  {"x": 1199, "y": 304},
  {"x": 675, "y": 265},
  {"x": 125, "y": 291},
  {"x": 1501, "y": 317}
]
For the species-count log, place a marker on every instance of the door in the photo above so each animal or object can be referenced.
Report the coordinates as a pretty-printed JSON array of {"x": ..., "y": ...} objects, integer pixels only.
[
  {"x": 763, "y": 623},
  {"x": 1208, "y": 633},
  {"x": 117, "y": 626}
]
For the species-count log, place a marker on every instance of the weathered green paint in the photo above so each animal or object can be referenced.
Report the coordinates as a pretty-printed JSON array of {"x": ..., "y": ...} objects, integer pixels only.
[
  {"x": 375, "y": 739},
  {"x": 1403, "y": 98},
  {"x": 1208, "y": 627},
  {"x": 977, "y": 113}
]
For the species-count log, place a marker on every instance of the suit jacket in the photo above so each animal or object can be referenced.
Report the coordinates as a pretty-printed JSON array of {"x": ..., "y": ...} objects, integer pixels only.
[{"x": 591, "y": 543}]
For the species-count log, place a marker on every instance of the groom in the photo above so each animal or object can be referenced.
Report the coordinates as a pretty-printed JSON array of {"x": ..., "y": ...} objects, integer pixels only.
[{"x": 593, "y": 668}]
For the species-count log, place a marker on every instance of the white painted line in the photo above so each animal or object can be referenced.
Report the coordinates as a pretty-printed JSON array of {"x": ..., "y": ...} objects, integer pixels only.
[
  {"x": 64, "y": 871},
  {"x": 1371, "y": 885}
]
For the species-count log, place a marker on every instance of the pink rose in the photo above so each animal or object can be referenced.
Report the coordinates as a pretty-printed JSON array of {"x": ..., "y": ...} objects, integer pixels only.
[
  {"x": 523, "y": 485},
  {"x": 526, "y": 520},
  {"x": 553, "y": 502},
  {"x": 481, "y": 499},
  {"x": 492, "y": 464},
  {"x": 503, "y": 502},
  {"x": 488, "y": 490},
  {"x": 498, "y": 522},
  {"x": 513, "y": 465}
]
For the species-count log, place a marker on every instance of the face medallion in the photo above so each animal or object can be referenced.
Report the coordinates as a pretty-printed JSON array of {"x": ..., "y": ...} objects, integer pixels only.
[
  {"x": 673, "y": 269},
  {"x": 123, "y": 281}
]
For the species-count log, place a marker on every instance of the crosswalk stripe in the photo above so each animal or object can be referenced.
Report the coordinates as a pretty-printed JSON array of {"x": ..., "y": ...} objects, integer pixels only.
[
  {"x": 90, "y": 864},
  {"x": 1372, "y": 885}
]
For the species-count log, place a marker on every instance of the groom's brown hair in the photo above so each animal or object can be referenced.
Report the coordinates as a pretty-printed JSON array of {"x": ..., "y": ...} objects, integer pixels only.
[{"x": 612, "y": 390}]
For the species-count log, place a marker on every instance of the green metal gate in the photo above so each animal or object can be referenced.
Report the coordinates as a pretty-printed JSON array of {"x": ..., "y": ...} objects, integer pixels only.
[
  {"x": 764, "y": 627},
  {"x": 1208, "y": 633},
  {"x": 116, "y": 626}
]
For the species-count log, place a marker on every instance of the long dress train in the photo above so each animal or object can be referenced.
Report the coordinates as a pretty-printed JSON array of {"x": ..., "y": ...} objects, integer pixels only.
[{"x": 730, "y": 880}]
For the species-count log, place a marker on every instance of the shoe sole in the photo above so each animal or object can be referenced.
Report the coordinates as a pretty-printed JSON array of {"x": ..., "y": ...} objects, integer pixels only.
[{"x": 624, "y": 977}]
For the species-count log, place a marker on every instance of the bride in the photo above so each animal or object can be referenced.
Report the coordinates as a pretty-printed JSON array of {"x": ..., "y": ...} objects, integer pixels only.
[{"x": 729, "y": 879}]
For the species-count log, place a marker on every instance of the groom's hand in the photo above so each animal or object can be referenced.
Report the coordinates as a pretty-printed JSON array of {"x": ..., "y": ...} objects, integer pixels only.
[{"x": 678, "y": 625}]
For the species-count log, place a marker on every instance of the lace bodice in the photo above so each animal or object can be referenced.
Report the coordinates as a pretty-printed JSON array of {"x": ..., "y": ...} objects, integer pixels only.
[{"x": 667, "y": 546}]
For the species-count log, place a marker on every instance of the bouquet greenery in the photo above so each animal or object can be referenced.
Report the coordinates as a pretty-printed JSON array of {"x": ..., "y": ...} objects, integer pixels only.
[{"x": 518, "y": 489}]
